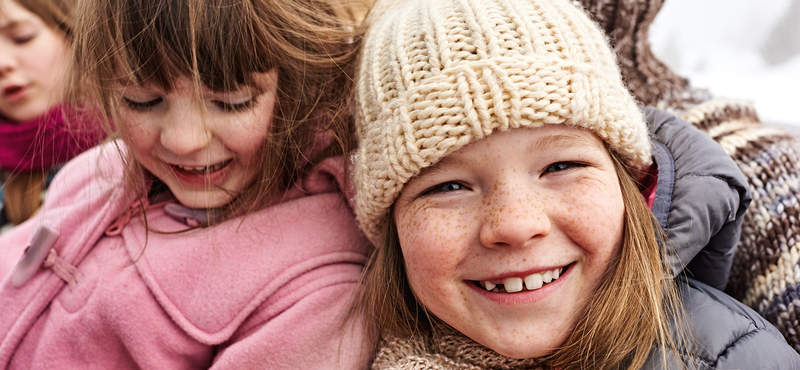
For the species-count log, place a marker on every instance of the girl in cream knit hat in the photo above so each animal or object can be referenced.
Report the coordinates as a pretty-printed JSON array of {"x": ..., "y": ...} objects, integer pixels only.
[{"x": 497, "y": 174}]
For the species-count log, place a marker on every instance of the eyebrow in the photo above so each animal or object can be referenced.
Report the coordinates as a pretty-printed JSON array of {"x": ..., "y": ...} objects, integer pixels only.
[
  {"x": 451, "y": 159},
  {"x": 561, "y": 141}
]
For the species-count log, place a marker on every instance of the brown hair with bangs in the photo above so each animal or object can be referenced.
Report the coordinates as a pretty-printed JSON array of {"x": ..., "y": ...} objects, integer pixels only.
[
  {"x": 221, "y": 44},
  {"x": 629, "y": 313}
]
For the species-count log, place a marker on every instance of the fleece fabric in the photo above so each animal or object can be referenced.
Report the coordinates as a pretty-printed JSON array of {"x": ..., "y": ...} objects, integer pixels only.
[{"x": 267, "y": 290}]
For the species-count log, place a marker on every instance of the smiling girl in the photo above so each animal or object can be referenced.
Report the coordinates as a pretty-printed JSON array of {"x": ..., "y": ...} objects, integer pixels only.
[
  {"x": 498, "y": 174},
  {"x": 213, "y": 233},
  {"x": 38, "y": 132}
]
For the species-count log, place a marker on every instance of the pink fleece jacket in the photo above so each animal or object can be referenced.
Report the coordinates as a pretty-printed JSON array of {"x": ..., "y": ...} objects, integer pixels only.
[{"x": 264, "y": 291}]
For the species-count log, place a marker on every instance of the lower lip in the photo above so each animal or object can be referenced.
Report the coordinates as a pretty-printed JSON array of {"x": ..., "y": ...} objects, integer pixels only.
[
  {"x": 16, "y": 95},
  {"x": 195, "y": 179},
  {"x": 525, "y": 296}
]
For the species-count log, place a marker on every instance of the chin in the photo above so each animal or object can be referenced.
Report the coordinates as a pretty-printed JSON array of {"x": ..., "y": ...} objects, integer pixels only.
[
  {"x": 204, "y": 200},
  {"x": 522, "y": 349}
]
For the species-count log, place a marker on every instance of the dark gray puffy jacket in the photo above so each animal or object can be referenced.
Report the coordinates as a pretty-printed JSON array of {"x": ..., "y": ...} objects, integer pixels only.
[{"x": 700, "y": 200}]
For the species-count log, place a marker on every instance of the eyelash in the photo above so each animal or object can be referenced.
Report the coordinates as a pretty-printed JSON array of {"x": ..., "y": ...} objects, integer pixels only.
[
  {"x": 226, "y": 107},
  {"x": 141, "y": 106},
  {"x": 563, "y": 166},
  {"x": 24, "y": 39},
  {"x": 438, "y": 188},
  {"x": 552, "y": 168},
  {"x": 238, "y": 107}
]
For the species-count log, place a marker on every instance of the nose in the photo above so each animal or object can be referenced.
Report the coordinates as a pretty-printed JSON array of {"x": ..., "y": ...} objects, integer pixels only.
[
  {"x": 513, "y": 216},
  {"x": 7, "y": 63},
  {"x": 186, "y": 133}
]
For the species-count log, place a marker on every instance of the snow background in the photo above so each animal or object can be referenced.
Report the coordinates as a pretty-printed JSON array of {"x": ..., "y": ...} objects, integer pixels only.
[{"x": 747, "y": 49}]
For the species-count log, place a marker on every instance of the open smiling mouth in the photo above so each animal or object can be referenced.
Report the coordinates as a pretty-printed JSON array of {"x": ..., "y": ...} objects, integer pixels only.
[
  {"x": 204, "y": 170},
  {"x": 518, "y": 284},
  {"x": 11, "y": 90}
]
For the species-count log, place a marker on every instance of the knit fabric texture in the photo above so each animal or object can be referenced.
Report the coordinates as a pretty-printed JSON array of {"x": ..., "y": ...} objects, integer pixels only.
[
  {"x": 447, "y": 349},
  {"x": 437, "y": 75}
]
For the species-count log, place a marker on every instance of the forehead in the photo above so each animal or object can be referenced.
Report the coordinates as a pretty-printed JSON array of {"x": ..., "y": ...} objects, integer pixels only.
[
  {"x": 12, "y": 13},
  {"x": 547, "y": 138}
]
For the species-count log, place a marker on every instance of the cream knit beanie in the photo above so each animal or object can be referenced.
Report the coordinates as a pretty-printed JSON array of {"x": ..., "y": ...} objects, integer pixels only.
[{"x": 436, "y": 75}]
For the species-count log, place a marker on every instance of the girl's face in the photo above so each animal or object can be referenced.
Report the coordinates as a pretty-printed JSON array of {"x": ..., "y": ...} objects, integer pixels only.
[
  {"x": 205, "y": 150},
  {"x": 32, "y": 56},
  {"x": 506, "y": 239}
]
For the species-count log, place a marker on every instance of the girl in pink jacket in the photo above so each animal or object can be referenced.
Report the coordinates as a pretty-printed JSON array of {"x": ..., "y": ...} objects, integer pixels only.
[{"x": 213, "y": 233}]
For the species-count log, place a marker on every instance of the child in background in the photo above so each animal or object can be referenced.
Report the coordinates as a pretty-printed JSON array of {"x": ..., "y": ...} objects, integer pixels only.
[
  {"x": 497, "y": 173},
  {"x": 220, "y": 237},
  {"x": 37, "y": 132}
]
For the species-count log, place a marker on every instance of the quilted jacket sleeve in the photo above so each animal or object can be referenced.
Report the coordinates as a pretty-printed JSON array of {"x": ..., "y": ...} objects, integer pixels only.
[{"x": 706, "y": 195}]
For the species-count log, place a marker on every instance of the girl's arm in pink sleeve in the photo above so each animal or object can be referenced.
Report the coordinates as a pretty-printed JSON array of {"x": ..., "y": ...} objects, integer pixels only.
[{"x": 307, "y": 334}]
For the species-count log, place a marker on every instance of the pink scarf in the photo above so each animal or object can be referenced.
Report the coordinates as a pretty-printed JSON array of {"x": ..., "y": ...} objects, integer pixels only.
[{"x": 43, "y": 142}]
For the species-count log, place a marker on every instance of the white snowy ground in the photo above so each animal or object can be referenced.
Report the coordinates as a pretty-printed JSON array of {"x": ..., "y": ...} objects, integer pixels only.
[{"x": 746, "y": 49}]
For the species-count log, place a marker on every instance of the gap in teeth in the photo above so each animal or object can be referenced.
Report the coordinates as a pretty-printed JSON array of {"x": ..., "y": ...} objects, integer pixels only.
[{"x": 517, "y": 284}]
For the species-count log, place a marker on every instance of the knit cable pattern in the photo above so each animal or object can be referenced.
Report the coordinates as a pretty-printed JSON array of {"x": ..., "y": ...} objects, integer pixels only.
[{"x": 438, "y": 75}]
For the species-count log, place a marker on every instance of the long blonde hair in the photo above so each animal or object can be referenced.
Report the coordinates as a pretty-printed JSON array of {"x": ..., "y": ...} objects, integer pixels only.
[
  {"x": 221, "y": 44},
  {"x": 629, "y": 313}
]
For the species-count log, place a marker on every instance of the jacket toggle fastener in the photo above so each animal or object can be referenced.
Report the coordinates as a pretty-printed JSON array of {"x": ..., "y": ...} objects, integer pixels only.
[{"x": 40, "y": 253}]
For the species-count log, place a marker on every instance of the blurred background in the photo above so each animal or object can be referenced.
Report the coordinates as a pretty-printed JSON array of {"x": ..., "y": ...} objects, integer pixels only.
[{"x": 747, "y": 49}]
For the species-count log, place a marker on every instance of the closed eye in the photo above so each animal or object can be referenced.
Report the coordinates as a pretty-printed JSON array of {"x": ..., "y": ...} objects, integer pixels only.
[
  {"x": 24, "y": 39},
  {"x": 141, "y": 106},
  {"x": 235, "y": 107},
  {"x": 445, "y": 187}
]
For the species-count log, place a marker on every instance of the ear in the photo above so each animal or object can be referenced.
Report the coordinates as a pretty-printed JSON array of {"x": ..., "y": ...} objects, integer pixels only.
[{"x": 647, "y": 178}]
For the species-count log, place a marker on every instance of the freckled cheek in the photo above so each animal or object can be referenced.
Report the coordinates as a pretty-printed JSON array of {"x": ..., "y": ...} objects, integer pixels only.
[
  {"x": 596, "y": 220},
  {"x": 433, "y": 244}
]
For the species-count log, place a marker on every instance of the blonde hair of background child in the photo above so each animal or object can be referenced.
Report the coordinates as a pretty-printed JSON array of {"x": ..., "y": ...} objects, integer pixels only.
[
  {"x": 221, "y": 44},
  {"x": 22, "y": 191}
]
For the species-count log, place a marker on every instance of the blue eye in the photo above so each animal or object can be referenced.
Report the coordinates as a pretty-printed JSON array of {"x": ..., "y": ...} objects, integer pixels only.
[
  {"x": 141, "y": 106},
  {"x": 445, "y": 187},
  {"x": 555, "y": 167},
  {"x": 562, "y": 166}
]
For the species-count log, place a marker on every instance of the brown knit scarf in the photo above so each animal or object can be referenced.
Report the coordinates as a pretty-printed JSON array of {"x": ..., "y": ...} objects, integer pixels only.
[{"x": 447, "y": 349}]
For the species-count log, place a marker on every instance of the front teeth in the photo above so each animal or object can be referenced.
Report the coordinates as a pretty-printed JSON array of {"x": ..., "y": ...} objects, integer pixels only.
[
  {"x": 204, "y": 169},
  {"x": 513, "y": 285},
  {"x": 532, "y": 282}
]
